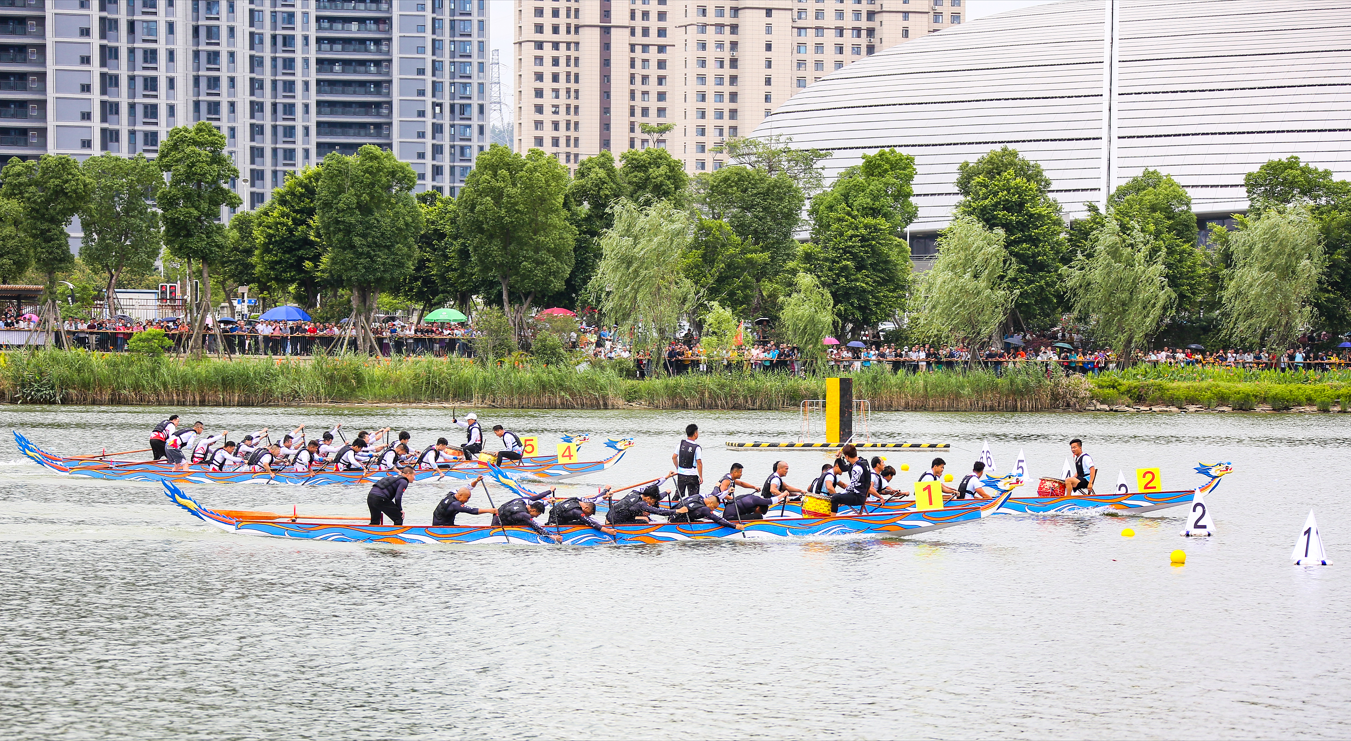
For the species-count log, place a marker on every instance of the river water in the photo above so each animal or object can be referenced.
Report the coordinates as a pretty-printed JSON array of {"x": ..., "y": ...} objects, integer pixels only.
[{"x": 125, "y": 618}]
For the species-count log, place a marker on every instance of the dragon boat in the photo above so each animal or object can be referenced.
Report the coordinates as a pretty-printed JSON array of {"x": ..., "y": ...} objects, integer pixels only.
[
  {"x": 896, "y": 524},
  {"x": 546, "y": 467},
  {"x": 1133, "y": 502}
]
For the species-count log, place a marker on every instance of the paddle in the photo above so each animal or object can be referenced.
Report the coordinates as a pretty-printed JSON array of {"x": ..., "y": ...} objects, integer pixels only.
[
  {"x": 240, "y": 514},
  {"x": 612, "y": 492},
  {"x": 105, "y": 455},
  {"x": 494, "y": 506}
]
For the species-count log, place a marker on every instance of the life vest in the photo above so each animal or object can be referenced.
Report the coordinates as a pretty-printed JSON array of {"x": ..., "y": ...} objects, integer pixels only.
[
  {"x": 962, "y": 489},
  {"x": 306, "y": 461},
  {"x": 217, "y": 460},
  {"x": 626, "y": 509},
  {"x": 387, "y": 486},
  {"x": 818, "y": 486},
  {"x": 255, "y": 455},
  {"x": 565, "y": 510},
  {"x": 512, "y": 443},
  {"x": 859, "y": 478},
  {"x": 717, "y": 491},
  {"x": 693, "y": 503},
  {"x": 387, "y": 459},
  {"x": 512, "y": 509},
  {"x": 205, "y": 454},
  {"x": 685, "y": 456},
  {"x": 176, "y": 440},
  {"x": 472, "y": 431},
  {"x": 767, "y": 490},
  {"x": 1080, "y": 473},
  {"x": 338, "y": 465},
  {"x": 158, "y": 432}
]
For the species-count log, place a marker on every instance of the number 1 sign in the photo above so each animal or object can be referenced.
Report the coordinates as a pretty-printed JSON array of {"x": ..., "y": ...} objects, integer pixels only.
[{"x": 928, "y": 495}]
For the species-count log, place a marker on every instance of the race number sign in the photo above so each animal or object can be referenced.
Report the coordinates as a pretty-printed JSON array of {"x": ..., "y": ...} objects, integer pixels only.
[
  {"x": 567, "y": 452},
  {"x": 529, "y": 446},
  {"x": 928, "y": 495},
  {"x": 1148, "y": 481}
]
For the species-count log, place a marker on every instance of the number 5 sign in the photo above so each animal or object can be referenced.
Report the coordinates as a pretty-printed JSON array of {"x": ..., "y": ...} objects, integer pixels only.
[
  {"x": 567, "y": 452},
  {"x": 928, "y": 495},
  {"x": 1148, "y": 481},
  {"x": 529, "y": 446}
]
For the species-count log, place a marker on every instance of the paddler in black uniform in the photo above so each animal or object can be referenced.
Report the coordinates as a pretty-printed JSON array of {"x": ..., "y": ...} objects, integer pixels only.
[
  {"x": 512, "y": 447},
  {"x": 160, "y": 434},
  {"x": 1084, "y": 471},
  {"x": 473, "y": 441},
  {"x": 386, "y": 496},
  {"x": 689, "y": 463},
  {"x": 576, "y": 512},
  {"x": 521, "y": 512},
  {"x": 756, "y": 506},
  {"x": 638, "y": 505},
  {"x": 723, "y": 490},
  {"x": 455, "y": 502},
  {"x": 859, "y": 479},
  {"x": 697, "y": 507}
]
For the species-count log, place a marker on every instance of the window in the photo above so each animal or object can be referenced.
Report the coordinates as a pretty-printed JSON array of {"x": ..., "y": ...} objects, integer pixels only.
[
  {"x": 954, "y": 19},
  {"x": 86, "y": 87},
  {"x": 802, "y": 82},
  {"x": 769, "y": 30},
  {"x": 938, "y": 17},
  {"x": 769, "y": 81}
]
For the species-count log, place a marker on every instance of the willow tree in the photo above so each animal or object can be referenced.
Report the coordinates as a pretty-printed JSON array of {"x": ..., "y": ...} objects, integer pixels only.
[
  {"x": 805, "y": 318},
  {"x": 370, "y": 221},
  {"x": 639, "y": 282},
  {"x": 190, "y": 203},
  {"x": 1277, "y": 258},
  {"x": 121, "y": 225},
  {"x": 965, "y": 296},
  {"x": 1120, "y": 285}
]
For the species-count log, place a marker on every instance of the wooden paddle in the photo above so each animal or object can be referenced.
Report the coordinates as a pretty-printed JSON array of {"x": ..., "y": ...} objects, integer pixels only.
[
  {"x": 242, "y": 514},
  {"x": 494, "y": 506},
  {"x": 105, "y": 455}
]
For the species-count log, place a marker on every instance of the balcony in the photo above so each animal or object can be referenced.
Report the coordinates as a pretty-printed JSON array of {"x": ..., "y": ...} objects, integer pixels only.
[
  {"x": 348, "y": 67},
  {"x": 12, "y": 6},
  {"x": 345, "y": 88},
  {"x": 29, "y": 28},
  {"x": 20, "y": 86},
  {"x": 356, "y": 110},
  {"x": 22, "y": 139},
  {"x": 11, "y": 56},
  {"x": 349, "y": 46},
  {"x": 20, "y": 111},
  {"x": 368, "y": 7},
  {"x": 352, "y": 25},
  {"x": 327, "y": 130}
]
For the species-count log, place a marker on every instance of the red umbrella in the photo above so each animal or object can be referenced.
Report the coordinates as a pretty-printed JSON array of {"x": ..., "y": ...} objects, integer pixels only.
[{"x": 557, "y": 312}]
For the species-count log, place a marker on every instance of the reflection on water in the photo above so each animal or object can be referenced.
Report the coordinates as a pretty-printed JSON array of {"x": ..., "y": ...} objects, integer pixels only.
[{"x": 124, "y": 619}]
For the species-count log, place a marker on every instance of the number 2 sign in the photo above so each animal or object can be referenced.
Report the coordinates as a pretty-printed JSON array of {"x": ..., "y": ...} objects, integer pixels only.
[
  {"x": 567, "y": 452},
  {"x": 529, "y": 446},
  {"x": 928, "y": 495},
  {"x": 1148, "y": 481}
]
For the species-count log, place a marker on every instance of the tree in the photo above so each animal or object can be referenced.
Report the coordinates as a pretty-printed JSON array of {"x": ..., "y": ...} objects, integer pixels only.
[
  {"x": 50, "y": 192},
  {"x": 191, "y": 200},
  {"x": 17, "y": 256},
  {"x": 1277, "y": 259},
  {"x": 370, "y": 222},
  {"x": 654, "y": 132},
  {"x": 652, "y": 175},
  {"x": 775, "y": 155},
  {"x": 806, "y": 318},
  {"x": 721, "y": 267},
  {"x": 1120, "y": 285},
  {"x": 639, "y": 280},
  {"x": 590, "y": 195},
  {"x": 964, "y": 296},
  {"x": 428, "y": 284},
  {"x": 764, "y": 210},
  {"x": 1283, "y": 182},
  {"x": 1005, "y": 191},
  {"x": 235, "y": 265},
  {"x": 515, "y": 226},
  {"x": 121, "y": 225},
  {"x": 287, "y": 248},
  {"x": 719, "y": 333}
]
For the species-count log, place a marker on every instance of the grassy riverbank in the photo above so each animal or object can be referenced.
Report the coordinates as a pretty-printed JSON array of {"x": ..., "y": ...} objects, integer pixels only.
[
  {"x": 78, "y": 377},
  {"x": 1236, "y": 388}
]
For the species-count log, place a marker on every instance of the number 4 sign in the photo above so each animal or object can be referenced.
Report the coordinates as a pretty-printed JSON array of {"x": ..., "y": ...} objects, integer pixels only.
[
  {"x": 928, "y": 495},
  {"x": 1148, "y": 481},
  {"x": 529, "y": 446},
  {"x": 567, "y": 452}
]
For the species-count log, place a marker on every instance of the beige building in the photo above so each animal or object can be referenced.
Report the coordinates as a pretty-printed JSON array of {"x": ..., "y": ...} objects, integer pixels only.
[{"x": 589, "y": 74}]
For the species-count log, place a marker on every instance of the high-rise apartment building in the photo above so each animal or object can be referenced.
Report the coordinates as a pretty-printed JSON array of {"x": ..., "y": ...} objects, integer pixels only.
[
  {"x": 287, "y": 81},
  {"x": 590, "y": 74}
]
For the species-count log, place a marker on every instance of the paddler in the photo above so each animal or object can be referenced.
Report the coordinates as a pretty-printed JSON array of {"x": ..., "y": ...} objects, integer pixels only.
[
  {"x": 473, "y": 441},
  {"x": 521, "y": 512},
  {"x": 160, "y": 435},
  {"x": 755, "y": 506},
  {"x": 455, "y": 503},
  {"x": 857, "y": 481},
  {"x": 1085, "y": 473},
  {"x": 576, "y": 512},
  {"x": 201, "y": 446},
  {"x": 326, "y": 446},
  {"x": 512, "y": 447},
  {"x": 225, "y": 456},
  {"x": 306, "y": 457},
  {"x": 696, "y": 507},
  {"x": 723, "y": 490},
  {"x": 388, "y": 459},
  {"x": 247, "y": 445},
  {"x": 882, "y": 476},
  {"x": 348, "y": 457},
  {"x": 291, "y": 444},
  {"x": 638, "y": 505},
  {"x": 935, "y": 473},
  {"x": 430, "y": 459},
  {"x": 386, "y": 496},
  {"x": 261, "y": 460},
  {"x": 688, "y": 460},
  {"x": 970, "y": 487}
]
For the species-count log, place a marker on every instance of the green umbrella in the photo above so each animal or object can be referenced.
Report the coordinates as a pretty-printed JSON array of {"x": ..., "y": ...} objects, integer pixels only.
[
  {"x": 1064, "y": 345},
  {"x": 445, "y": 315}
]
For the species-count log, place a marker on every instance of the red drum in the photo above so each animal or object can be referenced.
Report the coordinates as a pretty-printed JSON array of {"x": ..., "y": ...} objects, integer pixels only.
[{"x": 1048, "y": 487}]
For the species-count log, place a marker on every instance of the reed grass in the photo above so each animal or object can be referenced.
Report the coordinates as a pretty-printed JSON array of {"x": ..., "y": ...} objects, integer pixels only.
[
  {"x": 79, "y": 377},
  {"x": 1235, "y": 388}
]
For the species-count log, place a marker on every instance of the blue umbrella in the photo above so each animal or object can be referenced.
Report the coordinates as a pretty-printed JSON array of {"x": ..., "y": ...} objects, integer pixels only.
[
  {"x": 284, "y": 314},
  {"x": 1345, "y": 344},
  {"x": 856, "y": 343}
]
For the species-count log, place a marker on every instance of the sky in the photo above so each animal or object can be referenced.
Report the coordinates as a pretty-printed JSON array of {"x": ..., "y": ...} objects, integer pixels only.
[{"x": 502, "y": 29}]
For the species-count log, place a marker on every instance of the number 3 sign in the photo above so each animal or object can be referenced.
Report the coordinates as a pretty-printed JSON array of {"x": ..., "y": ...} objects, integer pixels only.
[{"x": 1148, "y": 481}]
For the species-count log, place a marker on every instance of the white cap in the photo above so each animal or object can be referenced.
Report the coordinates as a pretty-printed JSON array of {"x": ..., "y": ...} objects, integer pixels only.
[{"x": 471, "y": 415}]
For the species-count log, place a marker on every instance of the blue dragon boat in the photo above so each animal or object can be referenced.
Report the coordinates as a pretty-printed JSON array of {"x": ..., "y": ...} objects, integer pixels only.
[
  {"x": 546, "y": 467},
  {"x": 897, "y": 524}
]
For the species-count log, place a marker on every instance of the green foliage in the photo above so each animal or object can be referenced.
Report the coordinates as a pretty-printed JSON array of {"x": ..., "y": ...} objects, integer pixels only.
[
  {"x": 50, "y": 191},
  {"x": 721, "y": 268},
  {"x": 763, "y": 209},
  {"x": 496, "y": 339},
  {"x": 1121, "y": 286},
  {"x": 1004, "y": 191},
  {"x": 121, "y": 226},
  {"x": 654, "y": 131},
  {"x": 548, "y": 349},
  {"x": 1283, "y": 182},
  {"x": 17, "y": 256},
  {"x": 514, "y": 224},
  {"x": 590, "y": 195},
  {"x": 806, "y": 316},
  {"x": 880, "y": 188},
  {"x": 965, "y": 297},
  {"x": 1277, "y": 260},
  {"x": 719, "y": 331},
  {"x": 651, "y": 175},
  {"x": 440, "y": 275},
  {"x": 236, "y": 267},
  {"x": 862, "y": 263},
  {"x": 149, "y": 342},
  {"x": 83, "y": 295},
  {"x": 775, "y": 155},
  {"x": 639, "y": 281},
  {"x": 287, "y": 248},
  {"x": 198, "y": 187}
]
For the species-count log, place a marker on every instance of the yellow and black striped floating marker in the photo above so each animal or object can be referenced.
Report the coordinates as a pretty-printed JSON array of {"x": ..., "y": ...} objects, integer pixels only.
[{"x": 870, "y": 446}]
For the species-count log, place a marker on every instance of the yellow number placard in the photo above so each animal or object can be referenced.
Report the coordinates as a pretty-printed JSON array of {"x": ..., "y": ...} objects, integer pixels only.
[
  {"x": 567, "y": 452},
  {"x": 1148, "y": 481},
  {"x": 529, "y": 446},
  {"x": 928, "y": 495}
]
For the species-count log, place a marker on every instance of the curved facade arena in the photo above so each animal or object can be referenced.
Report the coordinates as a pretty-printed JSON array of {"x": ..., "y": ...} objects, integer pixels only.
[{"x": 1205, "y": 91}]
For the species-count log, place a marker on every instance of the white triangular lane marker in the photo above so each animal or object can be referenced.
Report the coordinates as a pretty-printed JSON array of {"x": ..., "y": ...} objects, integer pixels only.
[
  {"x": 1020, "y": 468},
  {"x": 1121, "y": 486},
  {"x": 1199, "y": 524},
  {"x": 1068, "y": 470},
  {"x": 1309, "y": 549}
]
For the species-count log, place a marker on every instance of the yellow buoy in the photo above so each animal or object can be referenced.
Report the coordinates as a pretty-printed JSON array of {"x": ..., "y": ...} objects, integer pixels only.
[
  {"x": 905, "y": 466},
  {"x": 1178, "y": 557},
  {"x": 947, "y": 477},
  {"x": 1128, "y": 533}
]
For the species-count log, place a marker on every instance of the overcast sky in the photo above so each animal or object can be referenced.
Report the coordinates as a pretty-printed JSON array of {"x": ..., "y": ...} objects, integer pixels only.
[{"x": 502, "y": 30}]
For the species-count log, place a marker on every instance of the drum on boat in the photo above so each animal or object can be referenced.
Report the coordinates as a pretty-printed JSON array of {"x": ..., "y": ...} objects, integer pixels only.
[
  {"x": 814, "y": 506},
  {"x": 1049, "y": 487}
]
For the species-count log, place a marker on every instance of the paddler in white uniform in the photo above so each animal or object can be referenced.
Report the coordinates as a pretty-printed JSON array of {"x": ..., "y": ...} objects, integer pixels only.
[{"x": 1084, "y": 470}]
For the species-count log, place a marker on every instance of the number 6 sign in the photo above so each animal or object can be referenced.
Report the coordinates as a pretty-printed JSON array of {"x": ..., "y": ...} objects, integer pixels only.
[
  {"x": 1148, "y": 481},
  {"x": 529, "y": 446},
  {"x": 928, "y": 495}
]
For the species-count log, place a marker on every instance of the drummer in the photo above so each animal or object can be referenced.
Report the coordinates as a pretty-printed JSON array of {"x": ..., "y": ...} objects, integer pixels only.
[{"x": 1085, "y": 473}]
